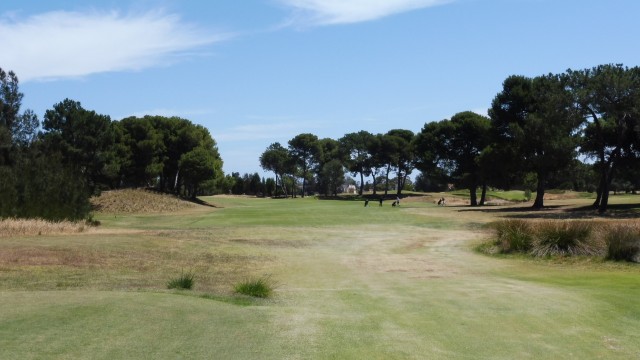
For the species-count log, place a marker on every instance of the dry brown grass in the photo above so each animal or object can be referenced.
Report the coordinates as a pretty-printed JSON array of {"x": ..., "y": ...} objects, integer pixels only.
[
  {"x": 138, "y": 201},
  {"x": 18, "y": 227},
  {"x": 107, "y": 259}
]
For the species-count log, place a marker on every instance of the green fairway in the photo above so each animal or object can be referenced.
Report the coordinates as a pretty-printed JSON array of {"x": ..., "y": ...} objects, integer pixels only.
[{"x": 351, "y": 282}]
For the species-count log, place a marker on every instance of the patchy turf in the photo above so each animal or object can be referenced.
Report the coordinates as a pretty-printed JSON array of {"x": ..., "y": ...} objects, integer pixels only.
[{"x": 354, "y": 282}]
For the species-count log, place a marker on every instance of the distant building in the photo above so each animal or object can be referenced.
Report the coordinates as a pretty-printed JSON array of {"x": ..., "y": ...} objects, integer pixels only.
[{"x": 349, "y": 189}]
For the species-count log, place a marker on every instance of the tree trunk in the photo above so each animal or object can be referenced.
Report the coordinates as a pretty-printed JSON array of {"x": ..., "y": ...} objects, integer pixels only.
[
  {"x": 539, "y": 202},
  {"x": 483, "y": 197},
  {"x": 361, "y": 190},
  {"x": 373, "y": 176},
  {"x": 604, "y": 199},
  {"x": 294, "y": 187},
  {"x": 284, "y": 186},
  {"x": 604, "y": 202},
  {"x": 386, "y": 180},
  {"x": 176, "y": 188},
  {"x": 596, "y": 204},
  {"x": 401, "y": 182},
  {"x": 473, "y": 196}
]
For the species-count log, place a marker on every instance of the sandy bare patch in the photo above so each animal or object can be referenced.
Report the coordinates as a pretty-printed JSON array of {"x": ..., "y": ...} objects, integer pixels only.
[{"x": 425, "y": 255}]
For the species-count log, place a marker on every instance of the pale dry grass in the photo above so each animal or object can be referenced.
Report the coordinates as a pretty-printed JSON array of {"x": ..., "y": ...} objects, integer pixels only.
[
  {"x": 20, "y": 227},
  {"x": 138, "y": 201}
]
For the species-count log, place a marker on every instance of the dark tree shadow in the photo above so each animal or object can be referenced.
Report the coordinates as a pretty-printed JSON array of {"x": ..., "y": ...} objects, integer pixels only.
[
  {"x": 622, "y": 211},
  {"x": 199, "y": 201}
]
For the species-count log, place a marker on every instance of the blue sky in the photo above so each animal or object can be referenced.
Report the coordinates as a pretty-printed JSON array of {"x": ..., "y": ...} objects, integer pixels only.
[{"x": 259, "y": 71}]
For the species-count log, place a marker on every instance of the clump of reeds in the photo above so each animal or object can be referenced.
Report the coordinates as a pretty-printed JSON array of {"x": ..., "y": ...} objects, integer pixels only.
[
  {"x": 565, "y": 238},
  {"x": 623, "y": 242},
  {"x": 16, "y": 227},
  {"x": 185, "y": 281},
  {"x": 513, "y": 236},
  {"x": 261, "y": 287},
  {"x": 611, "y": 240}
]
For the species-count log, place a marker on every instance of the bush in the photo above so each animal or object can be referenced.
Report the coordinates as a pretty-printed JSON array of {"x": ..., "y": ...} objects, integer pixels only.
[
  {"x": 623, "y": 243},
  {"x": 184, "y": 281},
  {"x": 564, "y": 238},
  {"x": 513, "y": 236},
  {"x": 261, "y": 288}
]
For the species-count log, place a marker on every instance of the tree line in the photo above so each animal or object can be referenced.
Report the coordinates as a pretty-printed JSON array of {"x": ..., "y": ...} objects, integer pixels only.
[
  {"x": 50, "y": 170},
  {"x": 578, "y": 129},
  {"x": 319, "y": 165}
]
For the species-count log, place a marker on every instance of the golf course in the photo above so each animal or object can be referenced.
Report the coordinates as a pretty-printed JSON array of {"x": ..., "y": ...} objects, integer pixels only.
[{"x": 347, "y": 281}]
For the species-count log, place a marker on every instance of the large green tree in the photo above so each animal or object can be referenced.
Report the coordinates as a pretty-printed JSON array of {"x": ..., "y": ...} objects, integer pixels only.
[
  {"x": 34, "y": 180},
  {"x": 609, "y": 97},
  {"x": 276, "y": 158},
  {"x": 83, "y": 138},
  {"x": 457, "y": 144},
  {"x": 144, "y": 152},
  {"x": 404, "y": 156},
  {"x": 327, "y": 172},
  {"x": 469, "y": 136},
  {"x": 198, "y": 166},
  {"x": 356, "y": 150},
  {"x": 333, "y": 176},
  {"x": 306, "y": 151},
  {"x": 17, "y": 130},
  {"x": 537, "y": 119},
  {"x": 171, "y": 154},
  {"x": 430, "y": 147}
]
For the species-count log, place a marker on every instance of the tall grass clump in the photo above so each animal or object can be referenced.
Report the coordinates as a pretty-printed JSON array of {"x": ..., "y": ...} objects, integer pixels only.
[
  {"x": 18, "y": 227},
  {"x": 261, "y": 288},
  {"x": 513, "y": 236},
  {"x": 623, "y": 243},
  {"x": 564, "y": 238},
  {"x": 184, "y": 281}
]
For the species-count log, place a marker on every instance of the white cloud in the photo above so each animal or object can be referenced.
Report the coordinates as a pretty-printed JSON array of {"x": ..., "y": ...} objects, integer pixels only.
[
  {"x": 72, "y": 44},
  {"x": 329, "y": 12}
]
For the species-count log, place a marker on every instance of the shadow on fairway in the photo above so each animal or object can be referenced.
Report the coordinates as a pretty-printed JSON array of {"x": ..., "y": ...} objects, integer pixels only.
[{"x": 624, "y": 211}]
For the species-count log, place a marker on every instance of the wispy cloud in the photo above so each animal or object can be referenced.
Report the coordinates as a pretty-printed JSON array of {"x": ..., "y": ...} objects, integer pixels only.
[
  {"x": 65, "y": 44},
  {"x": 330, "y": 12}
]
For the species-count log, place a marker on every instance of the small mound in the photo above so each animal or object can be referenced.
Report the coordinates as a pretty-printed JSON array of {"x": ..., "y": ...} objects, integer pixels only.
[{"x": 138, "y": 201}]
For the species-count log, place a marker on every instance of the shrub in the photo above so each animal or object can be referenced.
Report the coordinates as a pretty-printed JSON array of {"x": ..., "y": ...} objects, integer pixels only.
[
  {"x": 261, "y": 288},
  {"x": 564, "y": 238},
  {"x": 623, "y": 243},
  {"x": 513, "y": 236},
  {"x": 184, "y": 281}
]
